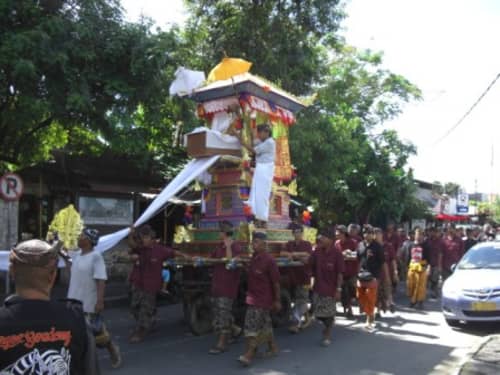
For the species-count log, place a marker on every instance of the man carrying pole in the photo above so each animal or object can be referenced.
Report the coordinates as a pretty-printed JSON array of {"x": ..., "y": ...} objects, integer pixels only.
[{"x": 263, "y": 295}]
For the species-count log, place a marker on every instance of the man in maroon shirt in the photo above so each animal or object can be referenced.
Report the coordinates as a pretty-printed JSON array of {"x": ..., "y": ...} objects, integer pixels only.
[
  {"x": 435, "y": 245},
  {"x": 225, "y": 284},
  {"x": 263, "y": 295},
  {"x": 147, "y": 256},
  {"x": 299, "y": 277},
  {"x": 354, "y": 230},
  {"x": 389, "y": 286},
  {"x": 393, "y": 237},
  {"x": 347, "y": 247},
  {"x": 328, "y": 268},
  {"x": 453, "y": 249}
]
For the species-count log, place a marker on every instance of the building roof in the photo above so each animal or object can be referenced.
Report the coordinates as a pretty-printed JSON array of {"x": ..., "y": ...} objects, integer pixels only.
[
  {"x": 106, "y": 173},
  {"x": 247, "y": 83}
]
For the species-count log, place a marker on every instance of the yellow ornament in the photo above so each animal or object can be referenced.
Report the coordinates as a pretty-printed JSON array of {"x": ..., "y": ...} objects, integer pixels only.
[
  {"x": 182, "y": 234},
  {"x": 68, "y": 225},
  {"x": 310, "y": 234},
  {"x": 292, "y": 188}
]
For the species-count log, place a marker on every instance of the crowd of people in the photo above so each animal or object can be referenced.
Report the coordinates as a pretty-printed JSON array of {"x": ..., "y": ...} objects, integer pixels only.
[{"x": 351, "y": 265}]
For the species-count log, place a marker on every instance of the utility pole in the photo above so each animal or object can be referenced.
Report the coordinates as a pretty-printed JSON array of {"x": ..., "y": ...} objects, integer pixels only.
[{"x": 492, "y": 164}]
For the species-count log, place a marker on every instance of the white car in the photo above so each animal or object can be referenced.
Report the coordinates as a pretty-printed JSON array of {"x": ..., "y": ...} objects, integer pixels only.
[{"x": 472, "y": 292}]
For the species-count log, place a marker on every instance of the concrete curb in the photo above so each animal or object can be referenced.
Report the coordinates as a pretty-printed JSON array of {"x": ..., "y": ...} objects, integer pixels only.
[{"x": 473, "y": 366}]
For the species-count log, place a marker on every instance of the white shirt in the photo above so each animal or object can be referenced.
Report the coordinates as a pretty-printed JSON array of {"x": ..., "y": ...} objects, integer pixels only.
[
  {"x": 85, "y": 270},
  {"x": 265, "y": 151}
]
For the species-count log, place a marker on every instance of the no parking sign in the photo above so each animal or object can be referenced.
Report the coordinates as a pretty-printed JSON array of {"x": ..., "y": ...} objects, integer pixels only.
[{"x": 11, "y": 187}]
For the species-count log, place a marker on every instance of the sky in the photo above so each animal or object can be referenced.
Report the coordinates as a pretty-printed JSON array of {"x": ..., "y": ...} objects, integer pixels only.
[{"x": 449, "y": 49}]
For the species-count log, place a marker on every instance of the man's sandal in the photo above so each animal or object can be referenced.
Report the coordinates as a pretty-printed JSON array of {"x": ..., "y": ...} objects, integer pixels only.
[
  {"x": 245, "y": 362},
  {"x": 270, "y": 354},
  {"x": 217, "y": 350}
]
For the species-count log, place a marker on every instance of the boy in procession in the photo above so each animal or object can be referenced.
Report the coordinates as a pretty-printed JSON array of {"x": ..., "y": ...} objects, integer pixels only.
[
  {"x": 263, "y": 296},
  {"x": 327, "y": 269},
  {"x": 299, "y": 277},
  {"x": 418, "y": 270},
  {"x": 435, "y": 245},
  {"x": 147, "y": 256},
  {"x": 225, "y": 285},
  {"x": 373, "y": 269},
  {"x": 347, "y": 246}
]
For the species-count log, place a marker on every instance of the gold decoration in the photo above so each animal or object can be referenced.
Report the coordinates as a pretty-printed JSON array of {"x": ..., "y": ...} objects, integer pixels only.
[
  {"x": 310, "y": 234},
  {"x": 243, "y": 233},
  {"x": 292, "y": 188},
  {"x": 283, "y": 165},
  {"x": 182, "y": 234},
  {"x": 275, "y": 188}
]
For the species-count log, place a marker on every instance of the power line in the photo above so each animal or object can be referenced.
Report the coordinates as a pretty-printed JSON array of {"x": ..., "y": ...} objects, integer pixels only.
[{"x": 469, "y": 111}]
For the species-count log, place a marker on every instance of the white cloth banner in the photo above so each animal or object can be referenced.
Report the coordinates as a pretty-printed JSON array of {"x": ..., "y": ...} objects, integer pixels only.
[
  {"x": 192, "y": 170},
  {"x": 4, "y": 260},
  {"x": 215, "y": 139},
  {"x": 186, "y": 81}
]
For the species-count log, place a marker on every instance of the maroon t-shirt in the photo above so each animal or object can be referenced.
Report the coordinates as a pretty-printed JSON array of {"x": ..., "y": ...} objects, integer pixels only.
[
  {"x": 146, "y": 272},
  {"x": 326, "y": 266},
  {"x": 436, "y": 246},
  {"x": 225, "y": 282},
  {"x": 351, "y": 266},
  {"x": 394, "y": 239},
  {"x": 299, "y": 275},
  {"x": 453, "y": 249},
  {"x": 390, "y": 256},
  {"x": 263, "y": 273}
]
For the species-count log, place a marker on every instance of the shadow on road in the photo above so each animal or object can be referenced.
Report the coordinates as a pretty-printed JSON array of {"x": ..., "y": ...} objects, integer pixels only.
[{"x": 353, "y": 351}]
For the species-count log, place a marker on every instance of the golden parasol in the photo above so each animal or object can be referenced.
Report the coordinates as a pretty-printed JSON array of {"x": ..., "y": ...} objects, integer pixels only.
[{"x": 227, "y": 68}]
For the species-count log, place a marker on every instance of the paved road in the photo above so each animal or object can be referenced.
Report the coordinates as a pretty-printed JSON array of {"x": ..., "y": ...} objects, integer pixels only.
[{"x": 407, "y": 342}]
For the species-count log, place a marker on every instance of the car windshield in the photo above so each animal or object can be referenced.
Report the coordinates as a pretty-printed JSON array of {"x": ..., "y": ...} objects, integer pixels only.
[{"x": 481, "y": 257}]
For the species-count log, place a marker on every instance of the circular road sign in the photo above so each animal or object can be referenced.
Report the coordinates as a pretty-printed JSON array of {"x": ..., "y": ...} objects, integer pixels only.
[{"x": 11, "y": 187}]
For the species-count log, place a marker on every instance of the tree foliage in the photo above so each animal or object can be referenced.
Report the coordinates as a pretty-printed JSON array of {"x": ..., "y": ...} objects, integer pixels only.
[
  {"x": 355, "y": 169},
  {"x": 449, "y": 188},
  {"x": 72, "y": 73},
  {"x": 75, "y": 75},
  {"x": 283, "y": 38}
]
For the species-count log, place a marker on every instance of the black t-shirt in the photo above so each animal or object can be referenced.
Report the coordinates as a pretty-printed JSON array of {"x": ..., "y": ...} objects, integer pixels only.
[
  {"x": 468, "y": 243},
  {"x": 372, "y": 258},
  {"x": 42, "y": 337}
]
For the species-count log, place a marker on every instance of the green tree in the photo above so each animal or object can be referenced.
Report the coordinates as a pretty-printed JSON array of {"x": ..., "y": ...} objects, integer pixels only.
[
  {"x": 282, "y": 38},
  {"x": 437, "y": 188},
  {"x": 72, "y": 73},
  {"x": 495, "y": 210},
  {"x": 448, "y": 188},
  {"x": 346, "y": 163},
  {"x": 451, "y": 189}
]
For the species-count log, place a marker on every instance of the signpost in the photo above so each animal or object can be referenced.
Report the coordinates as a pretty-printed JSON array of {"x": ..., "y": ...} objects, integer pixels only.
[{"x": 11, "y": 190}]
